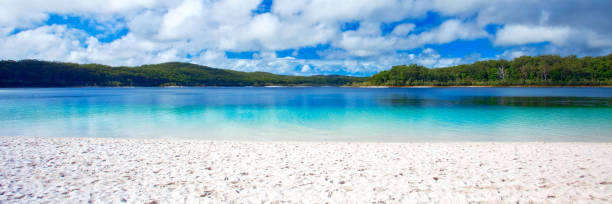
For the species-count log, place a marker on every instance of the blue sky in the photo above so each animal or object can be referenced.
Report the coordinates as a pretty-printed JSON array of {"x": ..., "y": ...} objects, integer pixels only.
[{"x": 301, "y": 37}]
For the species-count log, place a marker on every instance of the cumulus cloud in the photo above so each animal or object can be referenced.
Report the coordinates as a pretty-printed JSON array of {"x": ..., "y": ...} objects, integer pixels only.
[
  {"x": 430, "y": 58},
  {"x": 202, "y": 31},
  {"x": 517, "y": 52},
  {"x": 181, "y": 21},
  {"x": 365, "y": 41},
  {"x": 305, "y": 69},
  {"x": 403, "y": 29},
  {"x": 26, "y": 13},
  {"x": 270, "y": 62},
  {"x": 55, "y": 42},
  {"x": 448, "y": 31},
  {"x": 522, "y": 34},
  {"x": 129, "y": 50}
]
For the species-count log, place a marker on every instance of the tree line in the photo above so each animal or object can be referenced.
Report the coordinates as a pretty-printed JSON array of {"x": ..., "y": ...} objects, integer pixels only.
[
  {"x": 546, "y": 70},
  {"x": 34, "y": 73}
]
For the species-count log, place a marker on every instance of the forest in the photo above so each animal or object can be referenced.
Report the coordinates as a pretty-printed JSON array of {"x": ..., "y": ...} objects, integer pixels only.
[
  {"x": 34, "y": 73},
  {"x": 546, "y": 70}
]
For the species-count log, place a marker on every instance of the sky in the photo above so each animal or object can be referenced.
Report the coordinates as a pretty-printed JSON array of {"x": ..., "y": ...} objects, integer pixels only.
[{"x": 301, "y": 37}]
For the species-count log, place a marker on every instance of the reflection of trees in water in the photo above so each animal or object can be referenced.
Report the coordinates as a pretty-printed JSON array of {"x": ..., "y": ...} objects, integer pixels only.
[
  {"x": 540, "y": 101},
  {"x": 400, "y": 100},
  {"x": 408, "y": 100}
]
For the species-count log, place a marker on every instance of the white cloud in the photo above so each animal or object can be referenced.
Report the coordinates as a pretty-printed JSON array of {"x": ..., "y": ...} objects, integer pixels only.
[
  {"x": 26, "y": 13},
  {"x": 305, "y": 69},
  {"x": 365, "y": 41},
  {"x": 511, "y": 54},
  {"x": 448, "y": 31},
  {"x": 363, "y": 66},
  {"x": 430, "y": 58},
  {"x": 452, "y": 30},
  {"x": 55, "y": 42},
  {"x": 263, "y": 26},
  {"x": 182, "y": 21},
  {"x": 211, "y": 55},
  {"x": 596, "y": 40},
  {"x": 265, "y": 55},
  {"x": 170, "y": 30},
  {"x": 348, "y": 10},
  {"x": 517, "y": 52},
  {"x": 521, "y": 34},
  {"x": 362, "y": 46},
  {"x": 145, "y": 24},
  {"x": 232, "y": 12},
  {"x": 454, "y": 7},
  {"x": 403, "y": 29}
]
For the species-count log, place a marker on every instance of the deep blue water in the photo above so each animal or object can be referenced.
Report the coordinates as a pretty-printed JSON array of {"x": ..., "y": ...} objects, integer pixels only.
[{"x": 311, "y": 113}]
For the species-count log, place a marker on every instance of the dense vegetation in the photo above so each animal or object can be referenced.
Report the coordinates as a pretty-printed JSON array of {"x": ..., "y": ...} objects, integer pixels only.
[
  {"x": 547, "y": 70},
  {"x": 33, "y": 73}
]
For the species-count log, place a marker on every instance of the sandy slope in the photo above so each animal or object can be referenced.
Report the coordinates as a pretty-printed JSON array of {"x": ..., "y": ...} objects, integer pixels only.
[{"x": 78, "y": 170}]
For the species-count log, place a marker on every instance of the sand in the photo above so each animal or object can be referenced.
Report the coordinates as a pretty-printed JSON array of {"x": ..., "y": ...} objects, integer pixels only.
[{"x": 79, "y": 170}]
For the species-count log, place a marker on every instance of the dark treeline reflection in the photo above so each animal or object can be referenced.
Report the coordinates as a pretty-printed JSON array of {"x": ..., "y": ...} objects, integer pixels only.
[{"x": 477, "y": 101}]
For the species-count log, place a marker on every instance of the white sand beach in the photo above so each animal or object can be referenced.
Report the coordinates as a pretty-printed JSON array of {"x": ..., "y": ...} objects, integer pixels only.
[{"x": 78, "y": 170}]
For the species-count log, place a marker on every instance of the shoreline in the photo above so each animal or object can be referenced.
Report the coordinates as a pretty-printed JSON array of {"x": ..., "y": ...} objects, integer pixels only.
[
  {"x": 531, "y": 86},
  {"x": 309, "y": 86},
  {"x": 42, "y": 169}
]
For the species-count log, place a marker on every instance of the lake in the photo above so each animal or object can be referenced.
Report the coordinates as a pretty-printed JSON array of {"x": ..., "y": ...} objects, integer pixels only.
[{"x": 311, "y": 113}]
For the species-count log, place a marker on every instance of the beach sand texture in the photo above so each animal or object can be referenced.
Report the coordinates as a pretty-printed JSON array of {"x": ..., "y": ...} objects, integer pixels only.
[{"x": 78, "y": 170}]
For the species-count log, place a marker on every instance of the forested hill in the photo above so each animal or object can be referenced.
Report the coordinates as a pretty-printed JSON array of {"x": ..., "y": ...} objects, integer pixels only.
[
  {"x": 546, "y": 70},
  {"x": 33, "y": 73}
]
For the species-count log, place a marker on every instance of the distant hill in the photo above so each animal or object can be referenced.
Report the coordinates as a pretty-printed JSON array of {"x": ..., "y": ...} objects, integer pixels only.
[
  {"x": 546, "y": 70},
  {"x": 34, "y": 73}
]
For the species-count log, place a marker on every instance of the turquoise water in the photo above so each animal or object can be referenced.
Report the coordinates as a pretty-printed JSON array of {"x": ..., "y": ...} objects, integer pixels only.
[{"x": 311, "y": 113}]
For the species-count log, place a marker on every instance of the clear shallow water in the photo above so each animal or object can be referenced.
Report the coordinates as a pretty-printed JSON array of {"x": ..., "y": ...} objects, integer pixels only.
[{"x": 311, "y": 113}]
